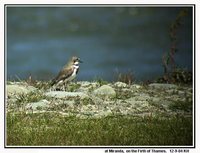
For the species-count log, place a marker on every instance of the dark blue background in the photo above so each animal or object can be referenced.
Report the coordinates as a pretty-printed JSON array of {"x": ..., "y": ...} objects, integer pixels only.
[{"x": 108, "y": 39}]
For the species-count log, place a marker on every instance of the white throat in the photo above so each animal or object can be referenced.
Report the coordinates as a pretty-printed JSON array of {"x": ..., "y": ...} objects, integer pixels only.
[
  {"x": 73, "y": 75},
  {"x": 76, "y": 66},
  {"x": 76, "y": 63}
]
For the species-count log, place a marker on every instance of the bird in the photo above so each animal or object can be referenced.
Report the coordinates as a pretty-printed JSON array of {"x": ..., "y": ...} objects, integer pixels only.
[{"x": 68, "y": 72}]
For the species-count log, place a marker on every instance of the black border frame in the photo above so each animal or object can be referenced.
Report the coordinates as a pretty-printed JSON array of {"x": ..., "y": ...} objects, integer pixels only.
[{"x": 104, "y": 5}]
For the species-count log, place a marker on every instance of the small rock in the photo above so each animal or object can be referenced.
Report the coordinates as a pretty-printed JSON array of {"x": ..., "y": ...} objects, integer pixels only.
[
  {"x": 103, "y": 113},
  {"x": 105, "y": 90},
  {"x": 83, "y": 89},
  {"x": 19, "y": 89},
  {"x": 163, "y": 86},
  {"x": 181, "y": 93},
  {"x": 142, "y": 97},
  {"x": 160, "y": 102},
  {"x": 120, "y": 84},
  {"x": 86, "y": 84},
  {"x": 69, "y": 103},
  {"x": 38, "y": 105},
  {"x": 132, "y": 100},
  {"x": 171, "y": 91},
  {"x": 139, "y": 105},
  {"x": 64, "y": 94},
  {"x": 156, "y": 100},
  {"x": 136, "y": 86}
]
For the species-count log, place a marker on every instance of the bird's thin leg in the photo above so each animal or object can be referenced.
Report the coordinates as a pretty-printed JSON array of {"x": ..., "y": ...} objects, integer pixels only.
[
  {"x": 66, "y": 86},
  {"x": 63, "y": 86},
  {"x": 53, "y": 87}
]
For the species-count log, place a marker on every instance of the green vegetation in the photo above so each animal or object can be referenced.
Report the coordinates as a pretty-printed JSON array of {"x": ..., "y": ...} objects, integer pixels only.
[
  {"x": 126, "y": 77},
  {"x": 30, "y": 97},
  {"x": 181, "y": 105},
  {"x": 120, "y": 94},
  {"x": 42, "y": 85},
  {"x": 137, "y": 116},
  {"x": 100, "y": 81},
  {"x": 71, "y": 87},
  {"x": 172, "y": 72},
  {"x": 177, "y": 76},
  {"x": 54, "y": 129}
]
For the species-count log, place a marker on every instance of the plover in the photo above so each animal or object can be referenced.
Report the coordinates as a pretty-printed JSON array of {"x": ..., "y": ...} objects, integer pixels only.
[{"x": 68, "y": 72}]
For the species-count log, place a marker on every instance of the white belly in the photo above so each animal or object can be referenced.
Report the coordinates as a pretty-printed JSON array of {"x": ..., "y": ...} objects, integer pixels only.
[{"x": 72, "y": 76}]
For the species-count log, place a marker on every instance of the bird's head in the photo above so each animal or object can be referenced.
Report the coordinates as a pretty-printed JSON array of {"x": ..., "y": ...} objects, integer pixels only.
[{"x": 75, "y": 60}]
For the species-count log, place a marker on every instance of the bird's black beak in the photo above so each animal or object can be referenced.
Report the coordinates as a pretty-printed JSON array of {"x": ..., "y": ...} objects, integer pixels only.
[{"x": 80, "y": 61}]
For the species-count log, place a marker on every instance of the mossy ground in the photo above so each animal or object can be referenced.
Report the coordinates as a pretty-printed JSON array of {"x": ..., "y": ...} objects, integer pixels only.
[
  {"x": 173, "y": 126},
  {"x": 48, "y": 129}
]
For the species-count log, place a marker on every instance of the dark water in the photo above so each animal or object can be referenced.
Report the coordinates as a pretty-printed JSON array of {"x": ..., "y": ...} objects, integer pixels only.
[{"x": 108, "y": 39}]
